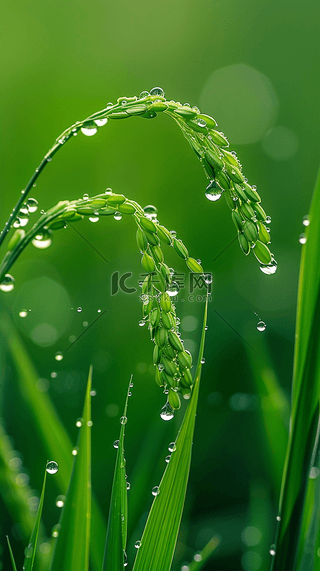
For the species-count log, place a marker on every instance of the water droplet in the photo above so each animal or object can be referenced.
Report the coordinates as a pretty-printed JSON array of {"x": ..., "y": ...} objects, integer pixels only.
[
  {"x": 7, "y": 283},
  {"x": 42, "y": 240},
  {"x": 306, "y": 220},
  {"x": 60, "y": 501},
  {"x": 167, "y": 459},
  {"x": 16, "y": 223},
  {"x": 79, "y": 422},
  {"x": 137, "y": 544},
  {"x": 213, "y": 191},
  {"x": 278, "y": 518},
  {"x": 42, "y": 211},
  {"x": 101, "y": 122},
  {"x": 89, "y": 129},
  {"x": 116, "y": 444},
  {"x": 269, "y": 269},
  {"x": 208, "y": 279},
  {"x": 206, "y": 328},
  {"x": 23, "y": 313},
  {"x": 52, "y": 467},
  {"x": 94, "y": 218},
  {"x": 24, "y": 209},
  {"x": 261, "y": 326},
  {"x": 55, "y": 530},
  {"x": 32, "y": 204},
  {"x": 202, "y": 123},
  {"x": 23, "y": 219},
  {"x": 172, "y": 447},
  {"x": 99, "y": 310},
  {"x": 28, "y": 551},
  {"x": 268, "y": 219},
  {"x": 167, "y": 413},
  {"x": 155, "y": 491},
  {"x": 53, "y": 375},
  {"x": 90, "y": 423},
  {"x": 203, "y": 361},
  {"x": 117, "y": 216},
  {"x": 302, "y": 238},
  {"x": 93, "y": 393},
  {"x": 125, "y": 558},
  {"x": 123, "y": 420},
  {"x": 157, "y": 91},
  {"x": 79, "y": 309},
  {"x": 75, "y": 451},
  {"x": 144, "y": 94},
  {"x": 85, "y": 196},
  {"x": 151, "y": 211},
  {"x": 173, "y": 289},
  {"x": 272, "y": 550},
  {"x": 129, "y": 394},
  {"x": 58, "y": 356},
  {"x": 197, "y": 557},
  {"x": 128, "y": 485},
  {"x": 142, "y": 322}
]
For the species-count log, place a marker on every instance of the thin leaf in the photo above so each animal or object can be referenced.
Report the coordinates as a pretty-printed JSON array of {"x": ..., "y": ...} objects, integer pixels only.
[
  {"x": 201, "y": 558},
  {"x": 30, "y": 551},
  {"x": 305, "y": 397},
  {"x": 72, "y": 548},
  {"x": 116, "y": 540},
  {"x": 50, "y": 429},
  {"x": 161, "y": 531},
  {"x": 11, "y": 555}
]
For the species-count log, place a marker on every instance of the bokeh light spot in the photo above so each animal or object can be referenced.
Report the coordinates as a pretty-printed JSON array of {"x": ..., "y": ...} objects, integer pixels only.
[
  {"x": 280, "y": 143},
  {"x": 243, "y": 102}
]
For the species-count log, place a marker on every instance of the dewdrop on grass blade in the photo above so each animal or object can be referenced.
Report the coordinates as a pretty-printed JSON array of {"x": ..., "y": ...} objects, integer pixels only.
[{"x": 52, "y": 467}]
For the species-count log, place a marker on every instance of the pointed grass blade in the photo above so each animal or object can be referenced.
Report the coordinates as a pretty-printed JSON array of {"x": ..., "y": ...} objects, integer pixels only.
[
  {"x": 50, "y": 429},
  {"x": 116, "y": 540},
  {"x": 14, "y": 567},
  {"x": 201, "y": 558},
  {"x": 71, "y": 551},
  {"x": 30, "y": 551},
  {"x": 305, "y": 398},
  {"x": 161, "y": 530}
]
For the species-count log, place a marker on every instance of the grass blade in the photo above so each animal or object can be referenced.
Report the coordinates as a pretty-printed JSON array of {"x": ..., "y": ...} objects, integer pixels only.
[
  {"x": 11, "y": 555},
  {"x": 162, "y": 527},
  {"x": 201, "y": 558},
  {"x": 50, "y": 429},
  {"x": 305, "y": 397},
  {"x": 72, "y": 548},
  {"x": 116, "y": 540},
  {"x": 30, "y": 551}
]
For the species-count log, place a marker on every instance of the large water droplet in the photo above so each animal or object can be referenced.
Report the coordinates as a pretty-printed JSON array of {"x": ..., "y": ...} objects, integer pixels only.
[
  {"x": 150, "y": 211},
  {"x": 173, "y": 289},
  {"x": 79, "y": 422},
  {"x": 167, "y": 413},
  {"x": 202, "y": 123},
  {"x": 79, "y": 309},
  {"x": 144, "y": 94},
  {"x": 167, "y": 459},
  {"x": 137, "y": 544},
  {"x": 197, "y": 557},
  {"x": 123, "y": 420},
  {"x": 278, "y": 518},
  {"x": 23, "y": 313},
  {"x": 59, "y": 356},
  {"x": 202, "y": 361},
  {"x": 89, "y": 129},
  {"x": 32, "y": 204},
  {"x": 261, "y": 326},
  {"x": 60, "y": 500},
  {"x": 155, "y": 491},
  {"x": 117, "y": 216},
  {"x": 116, "y": 444},
  {"x": 306, "y": 220},
  {"x": 24, "y": 209},
  {"x": 142, "y": 322},
  {"x": 75, "y": 451},
  {"x": 52, "y": 467},
  {"x": 172, "y": 447},
  {"x": 213, "y": 191},
  {"x": 208, "y": 279},
  {"x": 7, "y": 283},
  {"x": 42, "y": 240},
  {"x": 23, "y": 219},
  {"x": 94, "y": 218},
  {"x": 101, "y": 122},
  {"x": 157, "y": 91},
  {"x": 269, "y": 269},
  {"x": 302, "y": 238}
]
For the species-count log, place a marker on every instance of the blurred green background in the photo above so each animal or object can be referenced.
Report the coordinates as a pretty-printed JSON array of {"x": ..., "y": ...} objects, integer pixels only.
[{"x": 254, "y": 67}]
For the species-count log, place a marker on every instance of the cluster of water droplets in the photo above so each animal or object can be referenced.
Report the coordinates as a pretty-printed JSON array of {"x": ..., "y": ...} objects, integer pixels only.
[{"x": 303, "y": 236}]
